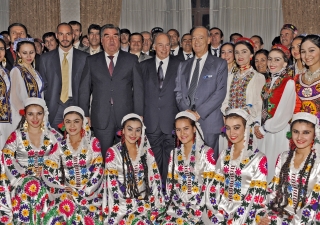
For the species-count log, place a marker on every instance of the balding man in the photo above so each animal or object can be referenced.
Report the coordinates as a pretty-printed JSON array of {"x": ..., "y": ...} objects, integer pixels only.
[
  {"x": 201, "y": 87},
  {"x": 160, "y": 106}
]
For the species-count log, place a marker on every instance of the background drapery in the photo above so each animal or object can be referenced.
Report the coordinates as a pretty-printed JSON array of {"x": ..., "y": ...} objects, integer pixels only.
[
  {"x": 4, "y": 14},
  {"x": 248, "y": 17},
  {"x": 141, "y": 15},
  {"x": 303, "y": 14},
  {"x": 70, "y": 10},
  {"x": 38, "y": 16},
  {"x": 99, "y": 12}
]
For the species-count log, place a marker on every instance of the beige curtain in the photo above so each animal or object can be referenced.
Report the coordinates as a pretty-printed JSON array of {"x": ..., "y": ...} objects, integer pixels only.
[
  {"x": 99, "y": 12},
  {"x": 38, "y": 16},
  {"x": 304, "y": 14}
]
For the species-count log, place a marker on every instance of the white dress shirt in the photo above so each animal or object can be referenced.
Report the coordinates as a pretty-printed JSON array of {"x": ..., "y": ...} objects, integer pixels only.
[
  {"x": 201, "y": 64},
  {"x": 218, "y": 50},
  {"x": 164, "y": 65},
  {"x": 76, "y": 45},
  {"x": 94, "y": 51},
  {"x": 114, "y": 58},
  {"x": 185, "y": 55},
  {"x": 176, "y": 50},
  {"x": 69, "y": 58}
]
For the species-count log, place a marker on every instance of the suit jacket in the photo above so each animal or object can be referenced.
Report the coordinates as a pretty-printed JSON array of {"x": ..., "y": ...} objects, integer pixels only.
[
  {"x": 160, "y": 107},
  {"x": 50, "y": 69},
  {"x": 210, "y": 92},
  {"x": 143, "y": 57},
  {"x": 125, "y": 87},
  {"x": 10, "y": 60}
]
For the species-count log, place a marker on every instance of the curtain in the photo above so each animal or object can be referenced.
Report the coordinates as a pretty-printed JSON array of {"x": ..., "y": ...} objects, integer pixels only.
[
  {"x": 248, "y": 17},
  {"x": 143, "y": 15},
  {"x": 4, "y": 15},
  {"x": 305, "y": 15},
  {"x": 70, "y": 10},
  {"x": 38, "y": 16},
  {"x": 99, "y": 12}
]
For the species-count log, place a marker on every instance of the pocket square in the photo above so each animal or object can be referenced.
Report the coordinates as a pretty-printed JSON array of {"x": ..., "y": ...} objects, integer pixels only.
[{"x": 207, "y": 76}]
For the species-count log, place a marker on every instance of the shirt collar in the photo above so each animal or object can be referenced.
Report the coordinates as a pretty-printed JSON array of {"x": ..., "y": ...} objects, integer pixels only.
[
  {"x": 115, "y": 54},
  {"x": 165, "y": 61}
]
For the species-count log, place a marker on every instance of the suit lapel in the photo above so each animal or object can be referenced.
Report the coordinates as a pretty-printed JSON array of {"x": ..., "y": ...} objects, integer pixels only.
[
  {"x": 75, "y": 69},
  {"x": 56, "y": 65},
  {"x": 206, "y": 68},
  {"x": 169, "y": 73},
  {"x": 154, "y": 73},
  {"x": 188, "y": 71}
]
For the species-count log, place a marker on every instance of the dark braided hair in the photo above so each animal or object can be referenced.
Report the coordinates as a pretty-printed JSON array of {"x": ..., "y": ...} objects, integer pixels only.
[
  {"x": 282, "y": 194},
  {"x": 130, "y": 183}
]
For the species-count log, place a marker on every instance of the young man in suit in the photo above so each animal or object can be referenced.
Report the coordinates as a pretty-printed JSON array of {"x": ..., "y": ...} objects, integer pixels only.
[
  {"x": 61, "y": 71},
  {"x": 160, "y": 107},
  {"x": 135, "y": 43},
  {"x": 201, "y": 87},
  {"x": 216, "y": 40},
  {"x": 174, "y": 40},
  {"x": 113, "y": 77},
  {"x": 94, "y": 40},
  {"x": 186, "y": 43}
]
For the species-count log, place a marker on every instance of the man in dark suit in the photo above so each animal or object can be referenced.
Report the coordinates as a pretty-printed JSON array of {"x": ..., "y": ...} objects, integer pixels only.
[
  {"x": 174, "y": 41},
  {"x": 186, "y": 43},
  {"x": 216, "y": 40},
  {"x": 94, "y": 40},
  {"x": 201, "y": 87},
  {"x": 135, "y": 43},
  {"x": 160, "y": 107},
  {"x": 113, "y": 77},
  {"x": 61, "y": 70},
  {"x": 147, "y": 42}
]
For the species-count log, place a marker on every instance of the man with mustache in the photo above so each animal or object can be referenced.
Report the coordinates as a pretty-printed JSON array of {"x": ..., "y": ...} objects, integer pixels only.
[
  {"x": 61, "y": 71},
  {"x": 186, "y": 43}
]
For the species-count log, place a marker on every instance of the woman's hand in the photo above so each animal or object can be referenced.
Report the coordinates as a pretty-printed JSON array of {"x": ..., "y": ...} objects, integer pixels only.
[
  {"x": 264, "y": 221},
  {"x": 257, "y": 132},
  {"x": 39, "y": 171},
  {"x": 69, "y": 191}
]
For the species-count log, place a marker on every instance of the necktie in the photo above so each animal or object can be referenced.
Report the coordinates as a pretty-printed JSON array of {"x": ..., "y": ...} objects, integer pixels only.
[
  {"x": 172, "y": 51},
  {"x": 188, "y": 56},
  {"x": 160, "y": 75},
  {"x": 65, "y": 78},
  {"x": 215, "y": 51},
  {"x": 111, "y": 65},
  {"x": 194, "y": 83}
]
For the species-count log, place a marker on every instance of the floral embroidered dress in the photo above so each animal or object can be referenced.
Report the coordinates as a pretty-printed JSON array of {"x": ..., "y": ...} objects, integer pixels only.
[
  {"x": 308, "y": 214},
  {"x": 237, "y": 191},
  {"x": 309, "y": 95},
  {"x": 6, "y": 127},
  {"x": 188, "y": 182},
  {"x": 82, "y": 170},
  {"x": 21, "y": 160},
  {"x": 121, "y": 209}
]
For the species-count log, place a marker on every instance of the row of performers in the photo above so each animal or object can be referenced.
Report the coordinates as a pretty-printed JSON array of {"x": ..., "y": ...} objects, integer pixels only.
[{"x": 48, "y": 179}]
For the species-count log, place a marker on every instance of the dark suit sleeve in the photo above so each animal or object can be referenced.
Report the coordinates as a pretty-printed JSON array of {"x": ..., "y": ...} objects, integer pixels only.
[
  {"x": 43, "y": 73},
  {"x": 85, "y": 89},
  {"x": 215, "y": 100},
  {"x": 178, "y": 90},
  {"x": 138, "y": 90}
]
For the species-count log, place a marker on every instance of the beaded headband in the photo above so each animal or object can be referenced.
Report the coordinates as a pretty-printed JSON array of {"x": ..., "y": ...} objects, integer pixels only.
[
  {"x": 283, "y": 48},
  {"x": 15, "y": 44},
  {"x": 248, "y": 40}
]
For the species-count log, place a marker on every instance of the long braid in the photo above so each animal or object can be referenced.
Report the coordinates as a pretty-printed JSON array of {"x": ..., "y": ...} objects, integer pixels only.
[{"x": 145, "y": 174}]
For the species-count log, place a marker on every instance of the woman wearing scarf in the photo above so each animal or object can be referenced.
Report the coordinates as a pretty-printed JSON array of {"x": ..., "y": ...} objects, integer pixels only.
[
  {"x": 236, "y": 194},
  {"x": 133, "y": 184},
  {"x": 24, "y": 155},
  {"x": 73, "y": 173},
  {"x": 279, "y": 100}
]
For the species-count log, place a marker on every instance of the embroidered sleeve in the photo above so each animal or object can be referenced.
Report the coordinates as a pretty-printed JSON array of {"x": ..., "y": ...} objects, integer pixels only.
[{"x": 5, "y": 204}]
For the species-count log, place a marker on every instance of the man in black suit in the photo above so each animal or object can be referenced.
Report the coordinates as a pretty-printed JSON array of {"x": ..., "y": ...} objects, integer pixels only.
[
  {"x": 160, "y": 107},
  {"x": 113, "y": 77},
  {"x": 61, "y": 70},
  {"x": 216, "y": 40},
  {"x": 174, "y": 41},
  {"x": 186, "y": 43}
]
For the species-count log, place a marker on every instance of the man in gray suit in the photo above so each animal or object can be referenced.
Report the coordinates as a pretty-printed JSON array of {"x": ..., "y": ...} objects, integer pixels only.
[
  {"x": 113, "y": 77},
  {"x": 94, "y": 40},
  {"x": 61, "y": 70},
  {"x": 160, "y": 107},
  {"x": 201, "y": 87},
  {"x": 135, "y": 43}
]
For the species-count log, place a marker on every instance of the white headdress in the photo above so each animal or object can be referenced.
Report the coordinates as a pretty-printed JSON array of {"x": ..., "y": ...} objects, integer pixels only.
[
  {"x": 42, "y": 103},
  {"x": 308, "y": 117}
]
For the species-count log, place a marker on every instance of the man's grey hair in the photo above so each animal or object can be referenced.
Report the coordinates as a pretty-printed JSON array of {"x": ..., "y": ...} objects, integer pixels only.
[
  {"x": 208, "y": 32},
  {"x": 160, "y": 33},
  {"x": 109, "y": 26}
]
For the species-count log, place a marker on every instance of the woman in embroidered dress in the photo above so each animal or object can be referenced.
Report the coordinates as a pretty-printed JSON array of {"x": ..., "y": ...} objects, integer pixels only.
[
  {"x": 5, "y": 203},
  {"x": 24, "y": 154},
  {"x": 25, "y": 80},
  {"x": 245, "y": 84},
  {"x": 260, "y": 60},
  {"x": 299, "y": 68},
  {"x": 133, "y": 183},
  {"x": 6, "y": 127},
  {"x": 190, "y": 164},
  {"x": 308, "y": 83},
  {"x": 279, "y": 98},
  {"x": 77, "y": 194},
  {"x": 295, "y": 189},
  {"x": 227, "y": 53},
  {"x": 237, "y": 191}
]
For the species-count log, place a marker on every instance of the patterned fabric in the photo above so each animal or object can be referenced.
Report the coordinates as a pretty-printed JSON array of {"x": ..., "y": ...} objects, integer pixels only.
[
  {"x": 30, "y": 82},
  {"x": 272, "y": 96},
  {"x": 309, "y": 96},
  {"x": 310, "y": 213},
  {"x": 21, "y": 160},
  {"x": 5, "y": 106},
  {"x": 121, "y": 209},
  {"x": 191, "y": 177},
  {"x": 82, "y": 171}
]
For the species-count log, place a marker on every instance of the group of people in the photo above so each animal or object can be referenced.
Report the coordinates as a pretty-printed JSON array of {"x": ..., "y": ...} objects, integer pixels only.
[{"x": 138, "y": 128}]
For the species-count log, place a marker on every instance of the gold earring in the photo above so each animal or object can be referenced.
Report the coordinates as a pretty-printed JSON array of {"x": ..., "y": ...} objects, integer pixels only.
[
  {"x": 42, "y": 126},
  {"x": 25, "y": 126},
  {"x": 20, "y": 61},
  {"x": 4, "y": 62}
]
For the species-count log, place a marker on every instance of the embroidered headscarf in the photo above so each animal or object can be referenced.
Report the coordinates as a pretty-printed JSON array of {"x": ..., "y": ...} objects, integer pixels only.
[{"x": 42, "y": 103}]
